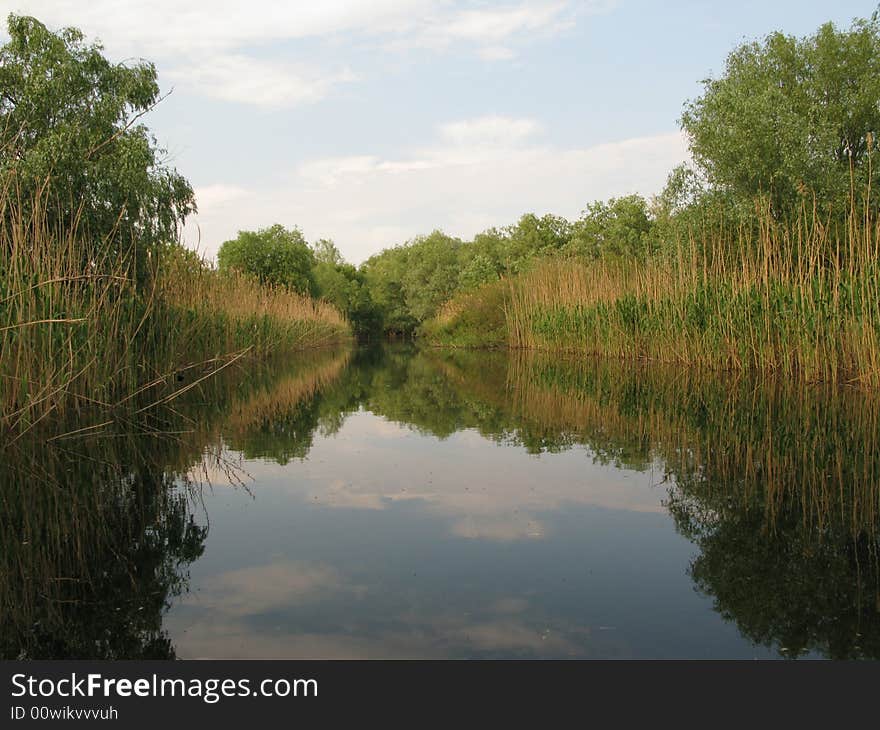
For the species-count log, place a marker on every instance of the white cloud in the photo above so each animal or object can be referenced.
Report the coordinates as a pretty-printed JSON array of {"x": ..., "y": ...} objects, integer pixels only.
[
  {"x": 169, "y": 27},
  {"x": 238, "y": 78},
  {"x": 477, "y": 173},
  {"x": 491, "y": 131},
  {"x": 494, "y": 25},
  {"x": 497, "y": 53},
  {"x": 212, "y": 197},
  {"x": 247, "y": 52}
]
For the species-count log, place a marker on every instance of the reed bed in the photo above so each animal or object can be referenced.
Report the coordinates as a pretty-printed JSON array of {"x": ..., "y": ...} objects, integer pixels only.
[
  {"x": 269, "y": 317},
  {"x": 800, "y": 298},
  {"x": 78, "y": 333}
]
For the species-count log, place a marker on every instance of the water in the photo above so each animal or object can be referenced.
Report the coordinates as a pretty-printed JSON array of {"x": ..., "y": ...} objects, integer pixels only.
[{"x": 392, "y": 502}]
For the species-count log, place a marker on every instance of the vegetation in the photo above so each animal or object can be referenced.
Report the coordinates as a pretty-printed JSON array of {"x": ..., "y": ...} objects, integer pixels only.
[
  {"x": 791, "y": 114},
  {"x": 345, "y": 287},
  {"x": 97, "y": 302},
  {"x": 808, "y": 308},
  {"x": 71, "y": 142},
  {"x": 274, "y": 256},
  {"x": 762, "y": 258},
  {"x": 71, "y": 336}
]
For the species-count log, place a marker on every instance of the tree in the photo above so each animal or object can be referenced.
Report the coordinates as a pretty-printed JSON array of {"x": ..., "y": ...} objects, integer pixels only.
[
  {"x": 70, "y": 118},
  {"x": 383, "y": 276},
  {"x": 477, "y": 269},
  {"x": 325, "y": 252},
  {"x": 431, "y": 276},
  {"x": 344, "y": 286},
  {"x": 534, "y": 237},
  {"x": 274, "y": 255},
  {"x": 791, "y": 116},
  {"x": 619, "y": 227}
]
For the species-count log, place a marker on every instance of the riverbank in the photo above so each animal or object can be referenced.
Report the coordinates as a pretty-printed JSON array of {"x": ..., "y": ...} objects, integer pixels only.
[
  {"x": 83, "y": 334},
  {"x": 798, "y": 298}
]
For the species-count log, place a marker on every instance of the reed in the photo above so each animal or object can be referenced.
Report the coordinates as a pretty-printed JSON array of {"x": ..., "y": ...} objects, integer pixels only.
[
  {"x": 799, "y": 297},
  {"x": 77, "y": 332}
]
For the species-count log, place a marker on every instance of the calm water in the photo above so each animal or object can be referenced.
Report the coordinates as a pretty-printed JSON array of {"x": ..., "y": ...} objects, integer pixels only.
[{"x": 403, "y": 503}]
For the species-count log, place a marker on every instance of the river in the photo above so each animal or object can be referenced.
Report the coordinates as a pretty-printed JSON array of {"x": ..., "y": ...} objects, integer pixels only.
[{"x": 396, "y": 502}]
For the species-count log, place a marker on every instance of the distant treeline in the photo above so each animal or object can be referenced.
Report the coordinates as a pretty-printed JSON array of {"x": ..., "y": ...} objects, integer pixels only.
[{"x": 399, "y": 288}]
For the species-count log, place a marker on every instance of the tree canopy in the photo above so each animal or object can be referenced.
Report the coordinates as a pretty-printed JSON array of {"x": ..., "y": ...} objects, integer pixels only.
[
  {"x": 69, "y": 123},
  {"x": 274, "y": 255},
  {"x": 791, "y": 116}
]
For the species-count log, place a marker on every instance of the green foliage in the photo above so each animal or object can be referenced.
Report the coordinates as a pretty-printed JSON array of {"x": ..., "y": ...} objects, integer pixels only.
[
  {"x": 620, "y": 227},
  {"x": 534, "y": 237},
  {"x": 409, "y": 283},
  {"x": 274, "y": 255},
  {"x": 325, "y": 252},
  {"x": 479, "y": 269},
  {"x": 431, "y": 274},
  {"x": 791, "y": 116},
  {"x": 69, "y": 117},
  {"x": 344, "y": 286},
  {"x": 383, "y": 275},
  {"x": 478, "y": 320}
]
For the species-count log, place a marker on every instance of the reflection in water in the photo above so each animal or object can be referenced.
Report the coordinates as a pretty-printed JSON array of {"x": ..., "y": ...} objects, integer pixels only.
[
  {"x": 450, "y": 503},
  {"x": 97, "y": 532}
]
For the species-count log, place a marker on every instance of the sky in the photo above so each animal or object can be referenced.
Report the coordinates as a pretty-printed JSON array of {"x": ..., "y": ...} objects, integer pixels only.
[{"x": 373, "y": 121}]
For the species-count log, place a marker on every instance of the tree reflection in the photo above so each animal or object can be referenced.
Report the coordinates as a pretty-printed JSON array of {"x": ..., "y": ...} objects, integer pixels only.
[
  {"x": 98, "y": 531},
  {"x": 776, "y": 483}
]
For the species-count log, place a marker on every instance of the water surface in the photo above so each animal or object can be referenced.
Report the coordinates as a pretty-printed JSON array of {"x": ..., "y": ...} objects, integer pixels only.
[{"x": 395, "y": 502}]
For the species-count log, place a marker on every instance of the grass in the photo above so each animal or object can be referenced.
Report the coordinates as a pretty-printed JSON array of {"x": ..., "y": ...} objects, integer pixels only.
[
  {"x": 76, "y": 334},
  {"x": 472, "y": 319},
  {"x": 800, "y": 298}
]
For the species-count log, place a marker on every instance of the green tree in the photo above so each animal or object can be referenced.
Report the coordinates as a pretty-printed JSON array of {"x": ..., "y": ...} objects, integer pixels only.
[
  {"x": 70, "y": 118},
  {"x": 477, "y": 269},
  {"x": 383, "y": 275},
  {"x": 533, "y": 237},
  {"x": 791, "y": 116},
  {"x": 344, "y": 286},
  {"x": 408, "y": 283},
  {"x": 325, "y": 252},
  {"x": 620, "y": 227},
  {"x": 274, "y": 255},
  {"x": 431, "y": 276}
]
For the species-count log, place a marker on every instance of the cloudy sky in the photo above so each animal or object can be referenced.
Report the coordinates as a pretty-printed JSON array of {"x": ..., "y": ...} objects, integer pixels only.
[{"x": 372, "y": 121}]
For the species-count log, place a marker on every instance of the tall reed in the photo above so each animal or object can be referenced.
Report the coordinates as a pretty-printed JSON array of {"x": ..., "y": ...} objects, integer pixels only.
[
  {"x": 799, "y": 297},
  {"x": 77, "y": 332}
]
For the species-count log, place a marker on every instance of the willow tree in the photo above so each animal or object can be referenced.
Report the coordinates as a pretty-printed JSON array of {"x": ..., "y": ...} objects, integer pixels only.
[
  {"x": 72, "y": 140},
  {"x": 791, "y": 117}
]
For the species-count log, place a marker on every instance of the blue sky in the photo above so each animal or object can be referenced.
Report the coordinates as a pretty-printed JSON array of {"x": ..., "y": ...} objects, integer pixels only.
[{"x": 372, "y": 121}]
